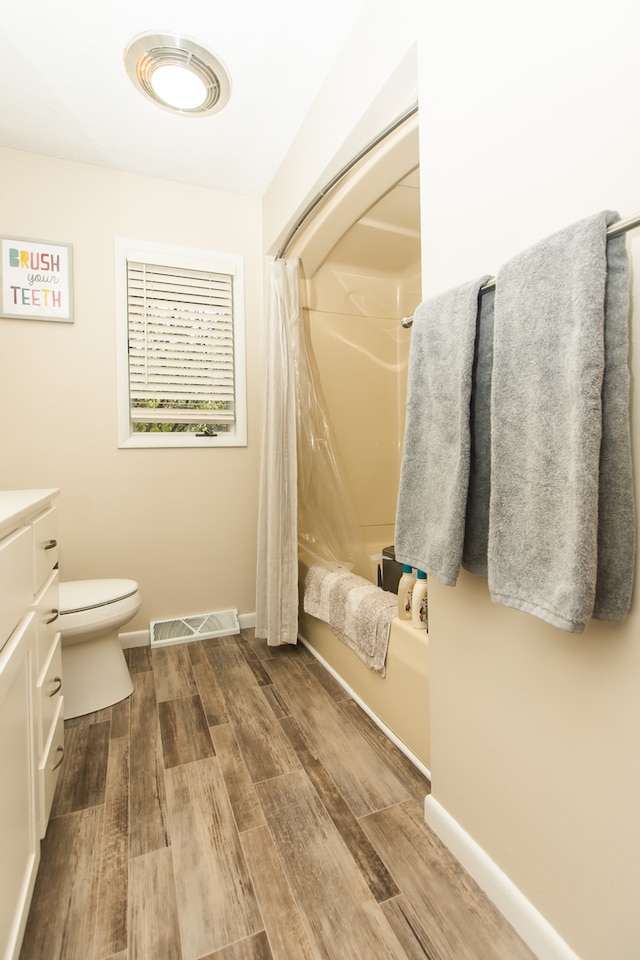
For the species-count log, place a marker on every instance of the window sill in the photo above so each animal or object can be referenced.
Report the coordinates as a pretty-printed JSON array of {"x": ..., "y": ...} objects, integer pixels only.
[{"x": 179, "y": 441}]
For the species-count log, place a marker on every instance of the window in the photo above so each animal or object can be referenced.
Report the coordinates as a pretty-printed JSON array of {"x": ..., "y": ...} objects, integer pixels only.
[{"x": 181, "y": 372}]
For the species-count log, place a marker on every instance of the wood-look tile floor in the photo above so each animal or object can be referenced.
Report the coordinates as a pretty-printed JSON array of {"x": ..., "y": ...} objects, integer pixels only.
[{"x": 239, "y": 806}]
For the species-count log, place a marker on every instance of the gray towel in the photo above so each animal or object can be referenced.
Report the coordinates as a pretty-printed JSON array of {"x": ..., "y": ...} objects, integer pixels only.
[
  {"x": 358, "y": 612},
  {"x": 561, "y": 514},
  {"x": 434, "y": 477},
  {"x": 476, "y": 533}
]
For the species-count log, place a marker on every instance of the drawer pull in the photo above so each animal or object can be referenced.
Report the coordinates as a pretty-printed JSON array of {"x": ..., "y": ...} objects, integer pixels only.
[
  {"x": 60, "y": 750},
  {"x": 56, "y": 614},
  {"x": 58, "y": 688},
  {"x": 50, "y": 544}
]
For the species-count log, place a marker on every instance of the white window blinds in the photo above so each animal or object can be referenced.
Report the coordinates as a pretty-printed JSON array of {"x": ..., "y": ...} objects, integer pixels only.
[{"x": 181, "y": 346}]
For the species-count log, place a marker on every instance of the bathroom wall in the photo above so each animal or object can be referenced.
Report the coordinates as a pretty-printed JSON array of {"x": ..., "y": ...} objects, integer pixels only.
[
  {"x": 535, "y": 732},
  {"x": 367, "y": 87},
  {"x": 372, "y": 82},
  {"x": 527, "y": 123},
  {"x": 181, "y": 522}
]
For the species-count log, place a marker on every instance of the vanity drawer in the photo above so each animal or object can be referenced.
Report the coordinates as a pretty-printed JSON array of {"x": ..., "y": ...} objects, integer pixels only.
[
  {"x": 47, "y": 609},
  {"x": 49, "y": 768},
  {"x": 15, "y": 580},
  {"x": 49, "y": 693},
  {"x": 45, "y": 546}
]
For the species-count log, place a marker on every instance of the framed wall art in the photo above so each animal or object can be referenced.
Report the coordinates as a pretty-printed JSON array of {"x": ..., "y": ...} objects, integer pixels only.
[{"x": 36, "y": 280}]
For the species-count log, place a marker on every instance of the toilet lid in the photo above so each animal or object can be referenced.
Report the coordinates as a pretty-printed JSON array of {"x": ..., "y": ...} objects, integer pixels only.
[{"x": 77, "y": 595}]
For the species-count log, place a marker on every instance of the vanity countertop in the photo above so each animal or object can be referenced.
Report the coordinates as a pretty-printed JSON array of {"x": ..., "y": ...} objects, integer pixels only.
[{"x": 15, "y": 505}]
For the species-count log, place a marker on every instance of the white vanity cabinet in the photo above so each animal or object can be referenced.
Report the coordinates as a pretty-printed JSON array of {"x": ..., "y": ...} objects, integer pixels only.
[
  {"x": 31, "y": 701},
  {"x": 48, "y": 716}
]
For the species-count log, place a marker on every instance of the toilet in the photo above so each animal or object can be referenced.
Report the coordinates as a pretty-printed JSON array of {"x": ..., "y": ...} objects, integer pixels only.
[{"x": 94, "y": 670}]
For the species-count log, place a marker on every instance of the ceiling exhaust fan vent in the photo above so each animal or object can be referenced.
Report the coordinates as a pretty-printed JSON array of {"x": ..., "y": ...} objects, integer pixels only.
[{"x": 178, "y": 74}]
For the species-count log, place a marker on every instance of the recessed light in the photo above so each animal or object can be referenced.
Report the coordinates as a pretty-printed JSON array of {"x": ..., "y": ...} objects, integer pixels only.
[
  {"x": 178, "y": 87},
  {"x": 177, "y": 74}
]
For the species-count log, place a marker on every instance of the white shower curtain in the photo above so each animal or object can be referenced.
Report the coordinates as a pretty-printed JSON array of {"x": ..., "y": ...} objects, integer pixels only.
[{"x": 277, "y": 573}]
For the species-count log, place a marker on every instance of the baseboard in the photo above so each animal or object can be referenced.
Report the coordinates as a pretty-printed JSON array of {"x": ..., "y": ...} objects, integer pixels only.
[
  {"x": 134, "y": 638},
  {"x": 528, "y": 922},
  {"x": 367, "y": 709},
  {"x": 247, "y": 620}
]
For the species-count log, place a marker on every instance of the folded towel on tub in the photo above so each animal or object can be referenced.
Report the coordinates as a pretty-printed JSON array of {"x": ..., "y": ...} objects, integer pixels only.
[
  {"x": 561, "y": 520},
  {"x": 358, "y": 612},
  {"x": 434, "y": 477}
]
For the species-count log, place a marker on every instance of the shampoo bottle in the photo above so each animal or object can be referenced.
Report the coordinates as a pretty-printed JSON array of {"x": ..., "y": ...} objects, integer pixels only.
[
  {"x": 419, "y": 603},
  {"x": 405, "y": 591}
]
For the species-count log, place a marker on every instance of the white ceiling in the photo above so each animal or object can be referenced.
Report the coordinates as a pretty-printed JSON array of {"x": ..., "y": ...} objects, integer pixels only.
[{"x": 66, "y": 94}]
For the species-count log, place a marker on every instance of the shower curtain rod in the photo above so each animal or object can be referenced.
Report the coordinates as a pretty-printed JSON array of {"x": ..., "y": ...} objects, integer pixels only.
[
  {"x": 335, "y": 180},
  {"x": 615, "y": 230}
]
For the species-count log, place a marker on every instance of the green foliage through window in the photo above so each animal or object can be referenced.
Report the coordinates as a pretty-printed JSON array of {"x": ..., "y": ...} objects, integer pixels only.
[{"x": 161, "y": 426}]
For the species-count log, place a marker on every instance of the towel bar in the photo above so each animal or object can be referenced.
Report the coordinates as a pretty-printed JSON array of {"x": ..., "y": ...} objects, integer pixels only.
[{"x": 615, "y": 230}]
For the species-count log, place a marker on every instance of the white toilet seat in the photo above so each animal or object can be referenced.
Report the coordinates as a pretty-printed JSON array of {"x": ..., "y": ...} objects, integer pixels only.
[
  {"x": 96, "y": 605},
  {"x": 78, "y": 595}
]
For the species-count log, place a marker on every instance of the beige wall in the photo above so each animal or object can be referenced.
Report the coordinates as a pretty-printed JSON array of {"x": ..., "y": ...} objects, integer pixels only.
[
  {"x": 527, "y": 121},
  {"x": 368, "y": 86},
  {"x": 372, "y": 82},
  {"x": 181, "y": 522}
]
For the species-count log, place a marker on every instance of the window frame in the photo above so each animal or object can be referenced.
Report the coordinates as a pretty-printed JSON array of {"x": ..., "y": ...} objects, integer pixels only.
[{"x": 184, "y": 257}]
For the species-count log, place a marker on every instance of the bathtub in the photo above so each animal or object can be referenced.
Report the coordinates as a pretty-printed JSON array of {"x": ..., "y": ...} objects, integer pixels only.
[{"x": 398, "y": 702}]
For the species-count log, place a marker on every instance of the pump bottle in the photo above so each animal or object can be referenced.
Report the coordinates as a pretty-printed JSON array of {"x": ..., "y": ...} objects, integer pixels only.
[
  {"x": 419, "y": 603},
  {"x": 405, "y": 591}
]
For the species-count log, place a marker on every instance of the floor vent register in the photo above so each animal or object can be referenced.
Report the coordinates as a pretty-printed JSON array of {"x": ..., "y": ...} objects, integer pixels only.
[{"x": 222, "y": 623}]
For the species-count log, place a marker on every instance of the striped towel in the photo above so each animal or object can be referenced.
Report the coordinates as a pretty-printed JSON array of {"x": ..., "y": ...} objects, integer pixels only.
[{"x": 358, "y": 612}]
